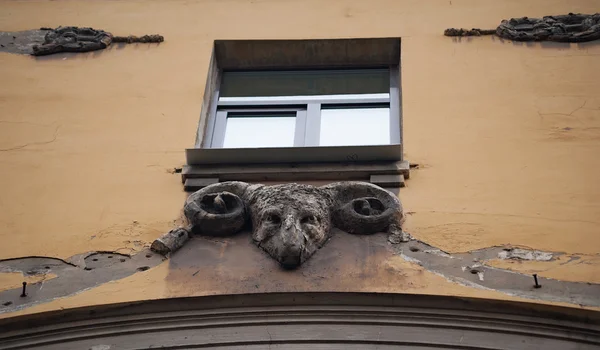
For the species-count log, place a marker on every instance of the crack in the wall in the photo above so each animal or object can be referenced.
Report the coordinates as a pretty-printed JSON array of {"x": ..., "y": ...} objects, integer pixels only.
[
  {"x": 16, "y": 148},
  {"x": 567, "y": 114}
]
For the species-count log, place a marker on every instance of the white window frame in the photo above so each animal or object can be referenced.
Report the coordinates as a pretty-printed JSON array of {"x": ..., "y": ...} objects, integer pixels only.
[{"x": 308, "y": 111}]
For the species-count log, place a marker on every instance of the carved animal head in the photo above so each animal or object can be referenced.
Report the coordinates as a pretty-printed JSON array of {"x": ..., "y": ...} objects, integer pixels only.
[{"x": 292, "y": 221}]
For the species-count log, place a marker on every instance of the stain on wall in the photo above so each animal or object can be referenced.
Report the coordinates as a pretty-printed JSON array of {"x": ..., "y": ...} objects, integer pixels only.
[{"x": 506, "y": 135}]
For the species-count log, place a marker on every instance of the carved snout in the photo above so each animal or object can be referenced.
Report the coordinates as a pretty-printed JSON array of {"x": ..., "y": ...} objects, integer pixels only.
[{"x": 292, "y": 243}]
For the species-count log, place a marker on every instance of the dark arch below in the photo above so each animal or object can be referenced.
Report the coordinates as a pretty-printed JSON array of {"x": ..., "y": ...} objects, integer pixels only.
[{"x": 307, "y": 321}]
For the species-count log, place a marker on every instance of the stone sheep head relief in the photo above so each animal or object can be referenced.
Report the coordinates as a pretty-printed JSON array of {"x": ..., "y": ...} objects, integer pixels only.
[{"x": 291, "y": 221}]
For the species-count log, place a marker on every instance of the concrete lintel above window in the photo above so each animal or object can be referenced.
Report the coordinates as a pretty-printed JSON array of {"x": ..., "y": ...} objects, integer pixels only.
[{"x": 310, "y": 53}]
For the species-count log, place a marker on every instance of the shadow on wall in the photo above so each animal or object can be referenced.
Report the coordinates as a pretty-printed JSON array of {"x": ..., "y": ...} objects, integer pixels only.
[
  {"x": 93, "y": 54},
  {"x": 531, "y": 44}
]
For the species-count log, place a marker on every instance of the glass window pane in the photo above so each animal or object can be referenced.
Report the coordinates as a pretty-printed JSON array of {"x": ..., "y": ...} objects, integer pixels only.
[
  {"x": 305, "y": 82},
  {"x": 253, "y": 131},
  {"x": 355, "y": 126}
]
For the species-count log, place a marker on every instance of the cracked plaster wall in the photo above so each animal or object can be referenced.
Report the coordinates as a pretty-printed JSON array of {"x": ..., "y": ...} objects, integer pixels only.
[{"x": 506, "y": 135}]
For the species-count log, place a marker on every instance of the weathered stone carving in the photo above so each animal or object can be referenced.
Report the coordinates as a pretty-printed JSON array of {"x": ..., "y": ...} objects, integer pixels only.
[
  {"x": 562, "y": 28},
  {"x": 83, "y": 39},
  {"x": 170, "y": 241},
  {"x": 72, "y": 39},
  {"x": 292, "y": 221}
]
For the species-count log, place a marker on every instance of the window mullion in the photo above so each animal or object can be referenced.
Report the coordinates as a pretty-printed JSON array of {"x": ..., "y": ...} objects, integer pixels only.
[
  {"x": 313, "y": 124},
  {"x": 300, "y": 131}
]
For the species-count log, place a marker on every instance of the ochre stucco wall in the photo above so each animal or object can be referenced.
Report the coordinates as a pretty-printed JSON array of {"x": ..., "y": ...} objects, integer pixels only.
[{"x": 507, "y": 135}]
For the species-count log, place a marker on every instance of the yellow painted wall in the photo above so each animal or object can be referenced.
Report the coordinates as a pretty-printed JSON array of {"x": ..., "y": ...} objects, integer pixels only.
[{"x": 507, "y": 135}]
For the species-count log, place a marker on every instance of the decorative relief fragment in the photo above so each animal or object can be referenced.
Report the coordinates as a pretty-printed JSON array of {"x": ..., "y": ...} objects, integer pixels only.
[
  {"x": 83, "y": 39},
  {"x": 562, "y": 28},
  {"x": 48, "y": 41}
]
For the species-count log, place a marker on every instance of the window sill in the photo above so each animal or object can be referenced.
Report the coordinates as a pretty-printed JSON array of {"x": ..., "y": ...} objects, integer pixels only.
[
  {"x": 380, "y": 153},
  {"x": 381, "y": 165}
]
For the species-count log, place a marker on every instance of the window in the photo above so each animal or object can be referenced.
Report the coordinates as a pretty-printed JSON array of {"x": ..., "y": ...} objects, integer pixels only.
[
  {"x": 282, "y": 110},
  {"x": 355, "y": 125},
  {"x": 258, "y": 129},
  {"x": 296, "y": 108}
]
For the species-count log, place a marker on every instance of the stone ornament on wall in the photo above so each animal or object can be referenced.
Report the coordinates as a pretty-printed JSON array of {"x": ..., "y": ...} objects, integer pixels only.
[
  {"x": 562, "y": 28},
  {"x": 290, "y": 222},
  {"x": 83, "y": 39},
  {"x": 72, "y": 39},
  {"x": 48, "y": 41}
]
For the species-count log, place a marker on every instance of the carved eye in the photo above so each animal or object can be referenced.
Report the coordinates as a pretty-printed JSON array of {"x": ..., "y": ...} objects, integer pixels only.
[
  {"x": 308, "y": 219},
  {"x": 274, "y": 219}
]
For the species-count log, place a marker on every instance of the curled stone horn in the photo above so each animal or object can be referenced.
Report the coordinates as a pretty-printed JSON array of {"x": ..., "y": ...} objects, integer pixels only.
[
  {"x": 291, "y": 222},
  {"x": 217, "y": 210},
  {"x": 363, "y": 208}
]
